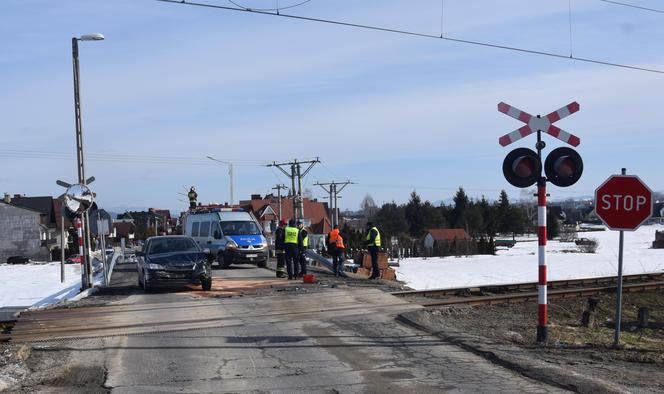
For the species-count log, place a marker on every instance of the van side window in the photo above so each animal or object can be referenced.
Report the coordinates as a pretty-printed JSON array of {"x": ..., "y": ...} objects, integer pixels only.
[
  {"x": 194, "y": 229},
  {"x": 205, "y": 229},
  {"x": 216, "y": 230}
]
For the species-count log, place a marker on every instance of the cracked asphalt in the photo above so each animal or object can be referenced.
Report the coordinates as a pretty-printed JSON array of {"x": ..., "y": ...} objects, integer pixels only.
[{"x": 328, "y": 340}]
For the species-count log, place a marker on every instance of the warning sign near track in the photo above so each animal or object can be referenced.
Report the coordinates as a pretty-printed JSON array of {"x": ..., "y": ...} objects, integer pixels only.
[{"x": 623, "y": 202}]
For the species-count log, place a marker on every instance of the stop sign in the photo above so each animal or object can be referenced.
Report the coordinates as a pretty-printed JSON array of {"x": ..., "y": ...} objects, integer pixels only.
[{"x": 623, "y": 202}]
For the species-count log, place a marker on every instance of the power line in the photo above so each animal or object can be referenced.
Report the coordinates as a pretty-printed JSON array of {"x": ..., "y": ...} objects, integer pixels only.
[
  {"x": 417, "y": 34},
  {"x": 633, "y": 6},
  {"x": 269, "y": 9},
  {"x": 116, "y": 158}
]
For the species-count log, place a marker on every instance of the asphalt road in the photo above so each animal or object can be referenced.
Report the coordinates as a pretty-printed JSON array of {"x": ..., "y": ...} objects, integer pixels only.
[{"x": 293, "y": 339}]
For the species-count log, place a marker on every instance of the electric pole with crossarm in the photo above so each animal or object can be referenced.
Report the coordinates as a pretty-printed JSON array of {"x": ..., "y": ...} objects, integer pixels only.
[
  {"x": 334, "y": 191},
  {"x": 296, "y": 174}
]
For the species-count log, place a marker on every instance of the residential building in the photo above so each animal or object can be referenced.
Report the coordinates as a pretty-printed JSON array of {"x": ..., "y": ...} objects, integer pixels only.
[
  {"x": 266, "y": 210},
  {"x": 22, "y": 233}
]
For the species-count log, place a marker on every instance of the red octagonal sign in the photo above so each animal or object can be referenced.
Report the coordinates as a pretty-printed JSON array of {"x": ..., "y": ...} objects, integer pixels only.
[{"x": 623, "y": 202}]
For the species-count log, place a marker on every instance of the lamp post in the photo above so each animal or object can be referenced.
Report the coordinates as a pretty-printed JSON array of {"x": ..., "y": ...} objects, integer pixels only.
[
  {"x": 79, "y": 146},
  {"x": 230, "y": 172}
]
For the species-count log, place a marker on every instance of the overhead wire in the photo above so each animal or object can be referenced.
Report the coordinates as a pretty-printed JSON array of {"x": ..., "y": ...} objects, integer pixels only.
[
  {"x": 117, "y": 158},
  {"x": 633, "y": 6},
  {"x": 418, "y": 34},
  {"x": 269, "y": 9},
  {"x": 571, "y": 47}
]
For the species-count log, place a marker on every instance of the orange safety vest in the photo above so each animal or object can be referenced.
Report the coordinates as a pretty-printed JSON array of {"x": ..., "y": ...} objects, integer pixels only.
[
  {"x": 334, "y": 236},
  {"x": 340, "y": 242}
]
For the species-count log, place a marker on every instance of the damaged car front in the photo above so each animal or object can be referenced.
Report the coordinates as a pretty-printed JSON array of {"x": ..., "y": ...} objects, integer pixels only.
[{"x": 168, "y": 261}]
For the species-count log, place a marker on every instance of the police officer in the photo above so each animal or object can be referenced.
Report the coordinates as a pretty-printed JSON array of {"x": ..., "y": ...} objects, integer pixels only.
[
  {"x": 193, "y": 196},
  {"x": 280, "y": 248},
  {"x": 372, "y": 242},
  {"x": 303, "y": 245},
  {"x": 291, "y": 248}
]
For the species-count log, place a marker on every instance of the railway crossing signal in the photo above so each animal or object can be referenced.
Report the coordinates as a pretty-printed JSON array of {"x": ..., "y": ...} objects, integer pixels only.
[{"x": 523, "y": 168}]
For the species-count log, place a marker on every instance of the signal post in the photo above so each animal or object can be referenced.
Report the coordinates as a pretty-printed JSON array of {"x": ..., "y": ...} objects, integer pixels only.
[{"x": 523, "y": 167}]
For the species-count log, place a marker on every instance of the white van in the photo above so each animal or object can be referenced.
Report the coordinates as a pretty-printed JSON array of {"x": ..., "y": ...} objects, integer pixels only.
[{"x": 232, "y": 234}]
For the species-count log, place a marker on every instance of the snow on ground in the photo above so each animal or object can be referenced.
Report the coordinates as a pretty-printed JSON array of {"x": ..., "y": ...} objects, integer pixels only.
[
  {"x": 519, "y": 264},
  {"x": 37, "y": 284}
]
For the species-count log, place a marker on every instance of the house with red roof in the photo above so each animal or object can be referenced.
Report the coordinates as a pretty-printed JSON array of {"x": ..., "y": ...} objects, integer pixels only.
[{"x": 266, "y": 210}]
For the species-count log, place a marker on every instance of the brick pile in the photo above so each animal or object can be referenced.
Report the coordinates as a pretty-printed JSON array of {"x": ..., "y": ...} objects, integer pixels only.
[{"x": 364, "y": 260}]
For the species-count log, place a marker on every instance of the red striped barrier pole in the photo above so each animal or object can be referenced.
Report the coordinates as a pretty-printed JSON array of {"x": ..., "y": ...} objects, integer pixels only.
[
  {"x": 541, "y": 253},
  {"x": 79, "y": 234}
]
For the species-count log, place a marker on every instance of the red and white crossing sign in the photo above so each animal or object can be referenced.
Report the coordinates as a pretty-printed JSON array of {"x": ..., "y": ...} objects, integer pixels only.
[
  {"x": 534, "y": 123},
  {"x": 623, "y": 202}
]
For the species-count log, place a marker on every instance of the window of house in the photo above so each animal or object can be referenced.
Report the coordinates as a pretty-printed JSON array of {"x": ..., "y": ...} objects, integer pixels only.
[{"x": 194, "y": 229}]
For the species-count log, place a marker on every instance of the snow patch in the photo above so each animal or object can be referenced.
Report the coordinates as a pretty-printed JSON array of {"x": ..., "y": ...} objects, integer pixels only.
[{"x": 519, "y": 263}]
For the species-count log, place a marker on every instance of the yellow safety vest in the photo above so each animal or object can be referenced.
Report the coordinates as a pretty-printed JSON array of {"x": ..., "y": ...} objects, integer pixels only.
[
  {"x": 377, "y": 241},
  {"x": 305, "y": 241},
  {"x": 291, "y": 235}
]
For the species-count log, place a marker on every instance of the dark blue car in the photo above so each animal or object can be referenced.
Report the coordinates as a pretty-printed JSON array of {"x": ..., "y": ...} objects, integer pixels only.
[{"x": 173, "y": 260}]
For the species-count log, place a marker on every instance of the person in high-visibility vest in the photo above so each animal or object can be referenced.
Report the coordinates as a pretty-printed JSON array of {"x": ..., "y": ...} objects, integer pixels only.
[
  {"x": 193, "y": 196},
  {"x": 303, "y": 245},
  {"x": 280, "y": 248},
  {"x": 333, "y": 248},
  {"x": 372, "y": 242},
  {"x": 291, "y": 248}
]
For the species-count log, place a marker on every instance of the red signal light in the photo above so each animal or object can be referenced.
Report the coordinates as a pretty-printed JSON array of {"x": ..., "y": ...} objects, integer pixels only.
[
  {"x": 522, "y": 167},
  {"x": 563, "y": 167}
]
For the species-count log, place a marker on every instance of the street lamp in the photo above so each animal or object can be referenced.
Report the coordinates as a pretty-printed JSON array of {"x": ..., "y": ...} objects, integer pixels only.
[
  {"x": 79, "y": 144},
  {"x": 230, "y": 172}
]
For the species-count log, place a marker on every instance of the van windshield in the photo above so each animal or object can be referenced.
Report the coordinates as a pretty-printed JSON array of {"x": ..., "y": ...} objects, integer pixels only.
[{"x": 240, "y": 228}]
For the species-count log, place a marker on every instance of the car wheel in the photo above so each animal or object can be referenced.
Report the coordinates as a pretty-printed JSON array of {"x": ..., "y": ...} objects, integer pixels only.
[
  {"x": 223, "y": 264},
  {"x": 206, "y": 284},
  {"x": 262, "y": 264},
  {"x": 146, "y": 286}
]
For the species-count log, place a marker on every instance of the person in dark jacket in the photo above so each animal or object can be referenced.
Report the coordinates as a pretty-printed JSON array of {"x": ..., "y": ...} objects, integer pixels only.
[
  {"x": 291, "y": 248},
  {"x": 193, "y": 196},
  {"x": 303, "y": 245},
  {"x": 372, "y": 242},
  {"x": 280, "y": 248}
]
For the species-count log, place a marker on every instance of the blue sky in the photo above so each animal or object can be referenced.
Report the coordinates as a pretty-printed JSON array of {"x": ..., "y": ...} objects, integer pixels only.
[{"x": 392, "y": 113}]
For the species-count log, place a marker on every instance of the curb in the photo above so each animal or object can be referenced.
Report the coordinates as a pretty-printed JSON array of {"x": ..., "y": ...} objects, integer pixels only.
[
  {"x": 85, "y": 293},
  {"x": 501, "y": 355}
]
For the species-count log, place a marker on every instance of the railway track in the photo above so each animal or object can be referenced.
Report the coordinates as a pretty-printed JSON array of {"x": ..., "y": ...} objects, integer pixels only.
[{"x": 524, "y": 292}]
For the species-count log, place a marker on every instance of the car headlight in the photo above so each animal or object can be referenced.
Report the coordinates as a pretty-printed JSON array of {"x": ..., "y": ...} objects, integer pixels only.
[
  {"x": 231, "y": 244},
  {"x": 154, "y": 266}
]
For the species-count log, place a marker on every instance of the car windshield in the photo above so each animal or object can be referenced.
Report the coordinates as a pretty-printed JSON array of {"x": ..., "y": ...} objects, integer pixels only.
[
  {"x": 172, "y": 245},
  {"x": 240, "y": 228}
]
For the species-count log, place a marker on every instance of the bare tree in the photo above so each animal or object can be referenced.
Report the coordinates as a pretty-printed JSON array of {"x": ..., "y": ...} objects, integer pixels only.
[{"x": 368, "y": 207}]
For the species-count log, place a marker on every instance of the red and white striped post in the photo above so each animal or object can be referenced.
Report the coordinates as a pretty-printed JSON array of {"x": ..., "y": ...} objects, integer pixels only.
[
  {"x": 541, "y": 254},
  {"x": 540, "y": 124},
  {"x": 79, "y": 234}
]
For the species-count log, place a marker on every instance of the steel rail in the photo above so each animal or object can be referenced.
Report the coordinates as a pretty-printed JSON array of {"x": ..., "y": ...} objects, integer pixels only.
[
  {"x": 532, "y": 295},
  {"x": 529, "y": 286}
]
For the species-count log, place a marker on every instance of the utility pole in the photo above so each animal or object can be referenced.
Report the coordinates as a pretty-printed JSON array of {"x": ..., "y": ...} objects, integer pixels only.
[
  {"x": 334, "y": 191},
  {"x": 296, "y": 174},
  {"x": 279, "y": 188}
]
